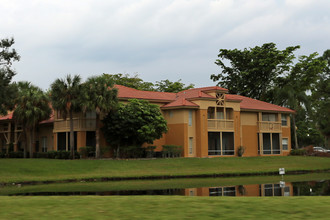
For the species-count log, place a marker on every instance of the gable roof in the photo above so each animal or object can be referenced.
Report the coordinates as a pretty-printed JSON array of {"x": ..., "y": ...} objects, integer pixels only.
[
  {"x": 130, "y": 93},
  {"x": 184, "y": 99},
  {"x": 253, "y": 104}
]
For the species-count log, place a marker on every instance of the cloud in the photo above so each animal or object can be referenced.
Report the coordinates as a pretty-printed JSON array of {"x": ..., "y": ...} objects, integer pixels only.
[{"x": 156, "y": 38}]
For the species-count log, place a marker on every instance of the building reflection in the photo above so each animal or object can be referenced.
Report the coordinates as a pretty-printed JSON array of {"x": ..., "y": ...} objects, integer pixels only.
[{"x": 277, "y": 189}]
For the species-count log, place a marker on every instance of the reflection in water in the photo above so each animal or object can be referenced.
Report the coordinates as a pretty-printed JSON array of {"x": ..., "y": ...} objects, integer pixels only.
[{"x": 312, "y": 188}]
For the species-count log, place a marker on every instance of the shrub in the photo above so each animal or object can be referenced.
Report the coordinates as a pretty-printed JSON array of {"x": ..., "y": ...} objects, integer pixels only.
[
  {"x": 18, "y": 154},
  {"x": 240, "y": 151},
  {"x": 132, "y": 151},
  {"x": 322, "y": 154},
  {"x": 150, "y": 151},
  {"x": 172, "y": 151},
  {"x": 309, "y": 150},
  {"x": 2, "y": 154},
  {"x": 298, "y": 152}
]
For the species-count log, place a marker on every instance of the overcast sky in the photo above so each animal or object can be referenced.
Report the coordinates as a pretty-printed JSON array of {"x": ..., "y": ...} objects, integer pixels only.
[{"x": 169, "y": 39}]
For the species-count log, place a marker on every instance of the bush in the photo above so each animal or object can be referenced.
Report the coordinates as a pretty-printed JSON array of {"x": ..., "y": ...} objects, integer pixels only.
[
  {"x": 150, "y": 151},
  {"x": 172, "y": 151},
  {"x": 18, "y": 154},
  {"x": 2, "y": 154},
  {"x": 240, "y": 151},
  {"x": 132, "y": 152},
  {"x": 298, "y": 152},
  {"x": 309, "y": 150}
]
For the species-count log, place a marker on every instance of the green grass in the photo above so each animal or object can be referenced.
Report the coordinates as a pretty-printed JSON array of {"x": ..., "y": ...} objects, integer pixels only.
[
  {"x": 158, "y": 184},
  {"x": 163, "y": 207},
  {"x": 18, "y": 170}
]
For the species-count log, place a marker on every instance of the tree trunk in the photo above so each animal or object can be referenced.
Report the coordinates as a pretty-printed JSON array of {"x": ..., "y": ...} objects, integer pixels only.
[
  {"x": 97, "y": 137},
  {"x": 71, "y": 135},
  {"x": 117, "y": 156},
  {"x": 31, "y": 143},
  {"x": 295, "y": 132},
  {"x": 25, "y": 135}
]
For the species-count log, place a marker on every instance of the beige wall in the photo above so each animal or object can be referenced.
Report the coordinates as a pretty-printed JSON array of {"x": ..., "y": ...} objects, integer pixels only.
[{"x": 46, "y": 130}]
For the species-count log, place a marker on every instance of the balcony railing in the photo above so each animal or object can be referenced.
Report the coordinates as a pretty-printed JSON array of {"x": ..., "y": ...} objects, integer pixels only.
[
  {"x": 220, "y": 124},
  {"x": 269, "y": 126},
  {"x": 78, "y": 125}
]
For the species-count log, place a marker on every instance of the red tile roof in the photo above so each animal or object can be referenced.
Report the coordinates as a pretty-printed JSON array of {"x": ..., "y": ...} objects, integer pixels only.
[
  {"x": 9, "y": 116},
  {"x": 130, "y": 93},
  {"x": 184, "y": 99},
  {"x": 253, "y": 104},
  {"x": 180, "y": 102}
]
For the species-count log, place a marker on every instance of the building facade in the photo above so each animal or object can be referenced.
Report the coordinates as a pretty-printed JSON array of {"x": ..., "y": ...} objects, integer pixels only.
[{"x": 206, "y": 122}]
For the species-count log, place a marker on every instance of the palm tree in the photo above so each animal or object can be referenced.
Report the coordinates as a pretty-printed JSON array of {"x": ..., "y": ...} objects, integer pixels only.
[
  {"x": 101, "y": 98},
  {"x": 292, "y": 98},
  {"x": 32, "y": 107},
  {"x": 66, "y": 98}
]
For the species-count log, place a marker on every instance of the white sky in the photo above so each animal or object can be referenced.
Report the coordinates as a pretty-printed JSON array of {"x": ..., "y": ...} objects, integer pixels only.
[{"x": 169, "y": 39}]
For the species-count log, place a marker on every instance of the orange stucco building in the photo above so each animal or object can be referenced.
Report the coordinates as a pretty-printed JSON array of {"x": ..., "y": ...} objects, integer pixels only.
[{"x": 206, "y": 122}]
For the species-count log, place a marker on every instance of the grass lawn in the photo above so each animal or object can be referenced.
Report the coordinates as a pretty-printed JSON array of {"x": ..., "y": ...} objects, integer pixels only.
[
  {"x": 163, "y": 207},
  {"x": 18, "y": 170}
]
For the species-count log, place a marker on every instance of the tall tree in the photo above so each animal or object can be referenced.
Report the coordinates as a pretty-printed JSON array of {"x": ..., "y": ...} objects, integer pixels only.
[
  {"x": 252, "y": 72},
  {"x": 31, "y": 107},
  {"x": 130, "y": 81},
  {"x": 321, "y": 98},
  {"x": 7, "y": 56},
  {"x": 66, "y": 97},
  {"x": 291, "y": 90},
  {"x": 133, "y": 124},
  {"x": 101, "y": 98},
  {"x": 168, "y": 86}
]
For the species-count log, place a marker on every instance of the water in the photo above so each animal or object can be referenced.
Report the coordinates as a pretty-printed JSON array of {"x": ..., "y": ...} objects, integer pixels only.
[{"x": 307, "y": 188}]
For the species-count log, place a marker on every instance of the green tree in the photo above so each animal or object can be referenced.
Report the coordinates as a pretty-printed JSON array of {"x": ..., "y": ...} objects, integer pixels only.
[
  {"x": 101, "y": 98},
  {"x": 253, "y": 72},
  {"x": 291, "y": 90},
  {"x": 130, "y": 81},
  {"x": 7, "y": 56},
  {"x": 321, "y": 98},
  {"x": 168, "y": 86},
  {"x": 133, "y": 124},
  {"x": 67, "y": 98},
  {"x": 31, "y": 107}
]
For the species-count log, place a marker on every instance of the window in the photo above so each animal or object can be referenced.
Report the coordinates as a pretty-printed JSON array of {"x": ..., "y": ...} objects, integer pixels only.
[
  {"x": 214, "y": 143},
  {"x": 44, "y": 144},
  {"x": 221, "y": 143},
  {"x": 90, "y": 114},
  {"x": 268, "y": 117},
  {"x": 191, "y": 145},
  {"x": 285, "y": 144},
  {"x": 284, "y": 120},
  {"x": 170, "y": 113},
  {"x": 210, "y": 113},
  {"x": 271, "y": 143},
  {"x": 190, "y": 117},
  {"x": 272, "y": 190}
]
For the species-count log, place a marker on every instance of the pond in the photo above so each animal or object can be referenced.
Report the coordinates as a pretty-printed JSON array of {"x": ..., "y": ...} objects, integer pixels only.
[{"x": 297, "y": 185}]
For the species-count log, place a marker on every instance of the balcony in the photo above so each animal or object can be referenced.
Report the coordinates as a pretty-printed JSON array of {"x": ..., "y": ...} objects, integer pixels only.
[
  {"x": 220, "y": 124},
  {"x": 269, "y": 126},
  {"x": 78, "y": 125}
]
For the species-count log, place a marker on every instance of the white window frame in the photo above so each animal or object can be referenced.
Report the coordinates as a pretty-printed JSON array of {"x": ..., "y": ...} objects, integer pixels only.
[{"x": 287, "y": 144}]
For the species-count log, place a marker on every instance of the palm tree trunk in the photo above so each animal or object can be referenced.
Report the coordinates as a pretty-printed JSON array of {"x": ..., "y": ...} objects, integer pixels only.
[
  {"x": 295, "y": 131},
  {"x": 97, "y": 137},
  {"x": 25, "y": 135},
  {"x": 117, "y": 152},
  {"x": 71, "y": 135},
  {"x": 31, "y": 143}
]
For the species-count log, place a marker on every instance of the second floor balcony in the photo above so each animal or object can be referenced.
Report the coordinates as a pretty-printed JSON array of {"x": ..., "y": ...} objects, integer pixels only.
[
  {"x": 220, "y": 124},
  {"x": 79, "y": 124},
  {"x": 269, "y": 126}
]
